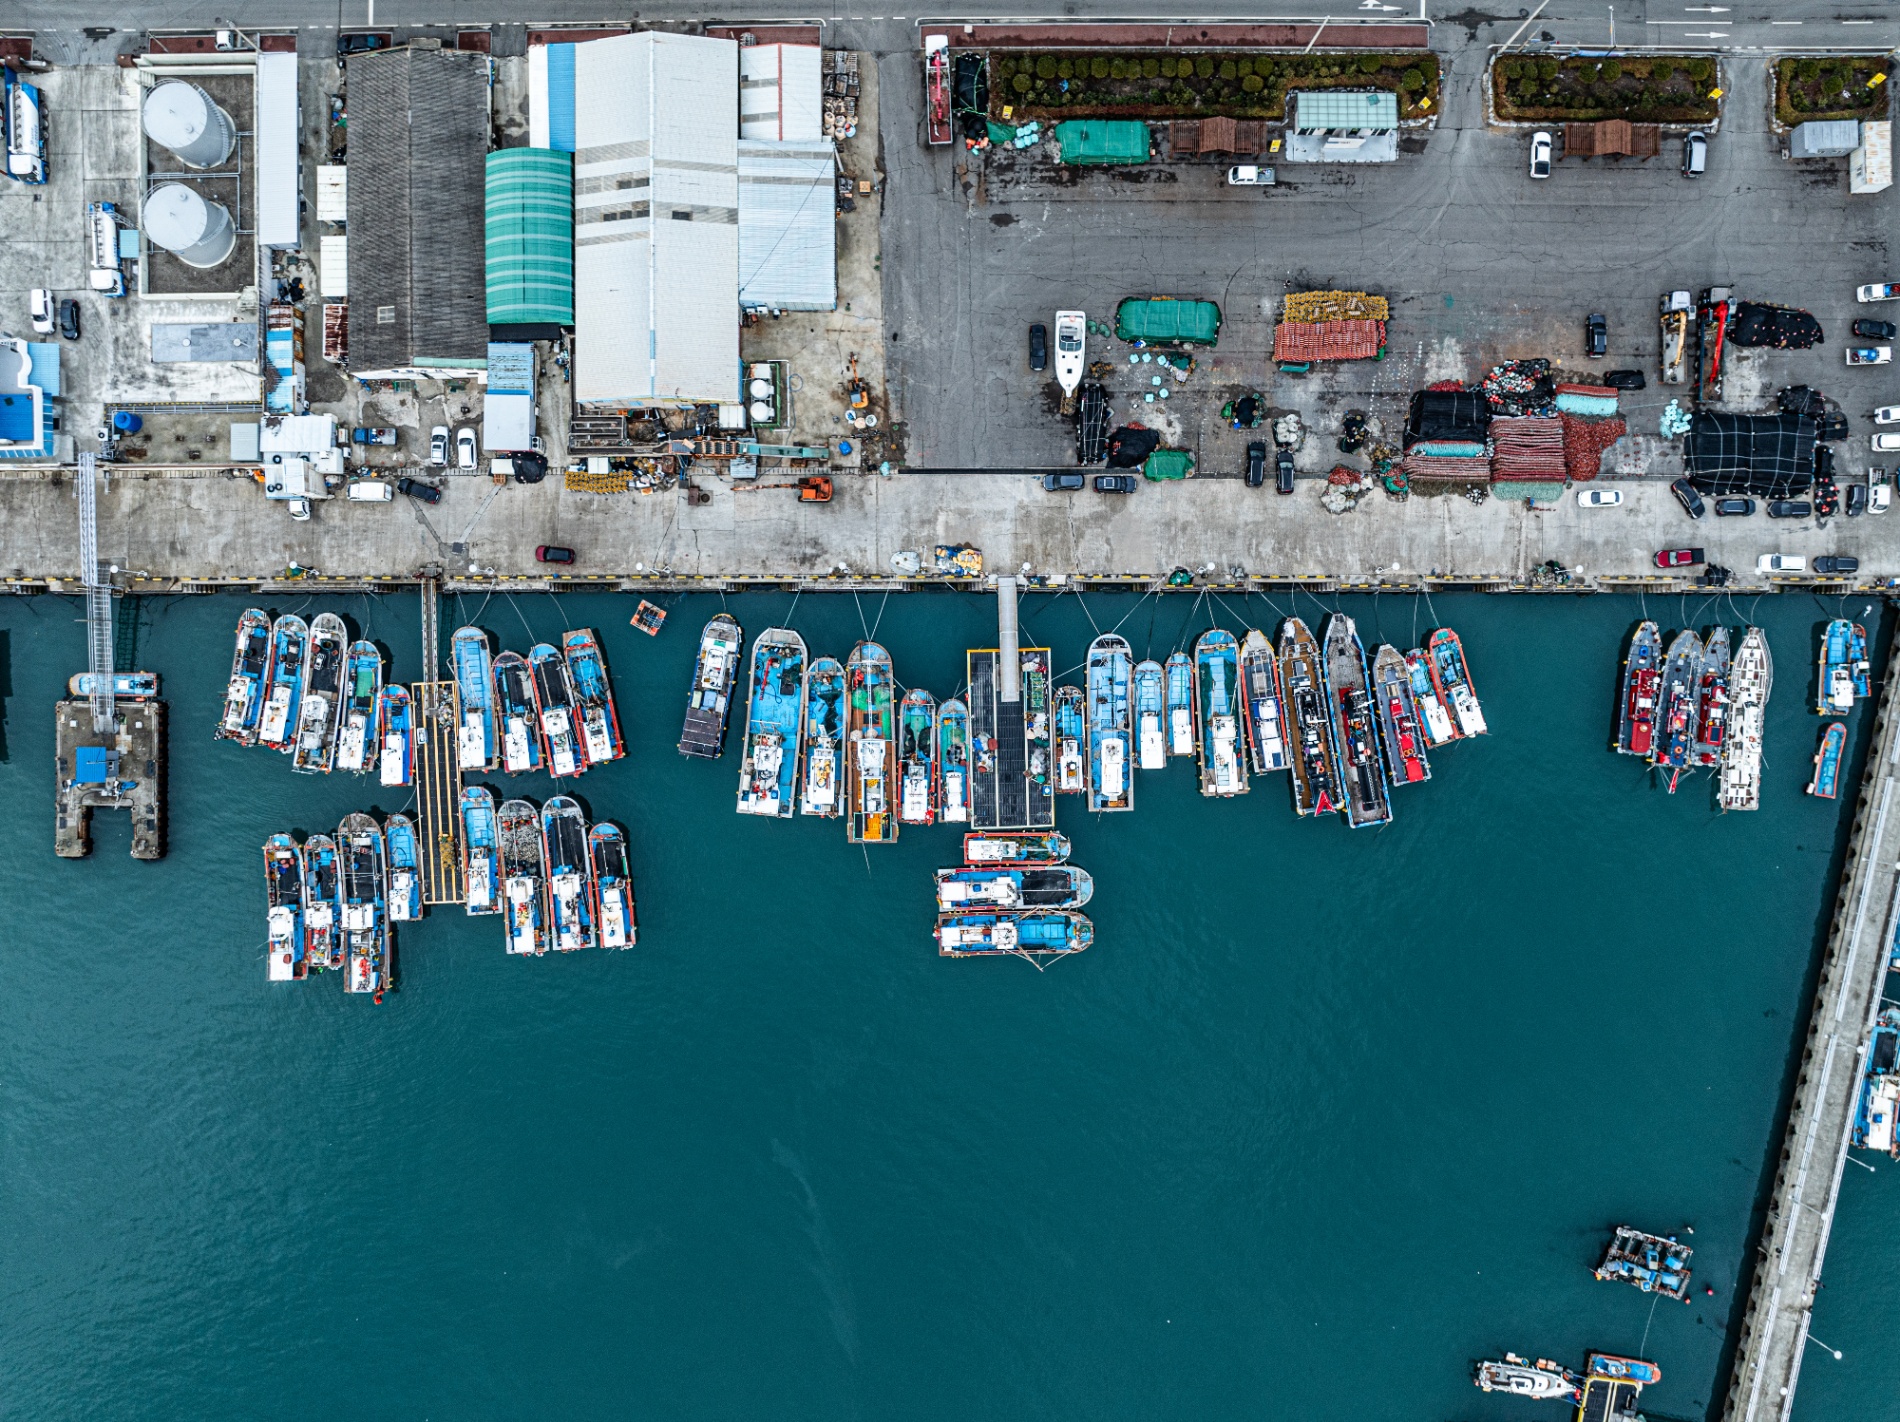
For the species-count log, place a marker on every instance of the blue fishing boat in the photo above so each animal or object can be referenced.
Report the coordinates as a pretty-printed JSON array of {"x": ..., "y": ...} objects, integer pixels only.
[
  {"x": 1056, "y": 886},
  {"x": 405, "y": 870},
  {"x": 1020, "y": 933},
  {"x": 1451, "y": 673},
  {"x": 277, "y": 722},
  {"x": 1151, "y": 716},
  {"x": 25, "y": 129},
  {"x": 320, "y": 702},
  {"x": 359, "y": 743},
  {"x": 1835, "y": 691},
  {"x": 476, "y": 738},
  {"x": 613, "y": 886},
  {"x": 1434, "y": 715},
  {"x": 523, "y": 878},
  {"x": 917, "y": 758},
  {"x": 1217, "y": 714},
  {"x": 1315, "y": 766},
  {"x": 775, "y": 723},
  {"x": 1405, "y": 760},
  {"x": 1634, "y": 1370},
  {"x": 1266, "y": 710},
  {"x": 1874, "y": 1111},
  {"x": 1015, "y": 847},
  {"x": 481, "y": 851},
  {"x": 1180, "y": 693},
  {"x": 1827, "y": 761},
  {"x": 554, "y": 690},
  {"x": 599, "y": 725},
  {"x": 821, "y": 782},
  {"x": 126, "y": 686},
  {"x": 953, "y": 762},
  {"x": 709, "y": 698},
  {"x": 283, "y": 897},
  {"x": 570, "y": 875},
  {"x": 244, "y": 695},
  {"x": 322, "y": 935},
  {"x": 517, "y": 714},
  {"x": 1071, "y": 741},
  {"x": 1857, "y": 660},
  {"x": 1111, "y": 721},
  {"x": 1355, "y": 728},
  {"x": 364, "y": 905},
  {"x": 871, "y": 733},
  {"x": 396, "y": 761}
]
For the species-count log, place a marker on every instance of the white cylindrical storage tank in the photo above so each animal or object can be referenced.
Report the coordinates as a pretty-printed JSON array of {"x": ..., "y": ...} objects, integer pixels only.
[
  {"x": 183, "y": 118},
  {"x": 198, "y": 232}
]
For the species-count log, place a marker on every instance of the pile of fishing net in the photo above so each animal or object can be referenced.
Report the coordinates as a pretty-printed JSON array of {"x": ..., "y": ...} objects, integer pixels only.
[
  {"x": 1527, "y": 447},
  {"x": 1520, "y": 387},
  {"x": 1584, "y": 443}
]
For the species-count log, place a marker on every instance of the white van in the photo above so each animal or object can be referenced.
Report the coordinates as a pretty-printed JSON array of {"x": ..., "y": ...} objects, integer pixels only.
[{"x": 370, "y": 491}]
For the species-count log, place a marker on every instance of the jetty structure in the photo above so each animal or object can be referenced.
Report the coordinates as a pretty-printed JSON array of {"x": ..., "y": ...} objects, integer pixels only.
[
  {"x": 1010, "y": 728},
  {"x": 108, "y": 755},
  {"x": 1772, "y": 1333}
]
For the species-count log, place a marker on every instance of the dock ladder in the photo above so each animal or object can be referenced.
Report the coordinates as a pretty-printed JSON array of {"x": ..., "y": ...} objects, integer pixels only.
[{"x": 98, "y": 600}]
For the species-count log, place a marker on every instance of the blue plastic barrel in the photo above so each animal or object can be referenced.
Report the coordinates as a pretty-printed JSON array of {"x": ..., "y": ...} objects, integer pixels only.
[{"x": 125, "y": 422}]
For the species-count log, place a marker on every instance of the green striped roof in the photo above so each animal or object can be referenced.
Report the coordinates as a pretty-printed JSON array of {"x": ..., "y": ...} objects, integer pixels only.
[{"x": 530, "y": 237}]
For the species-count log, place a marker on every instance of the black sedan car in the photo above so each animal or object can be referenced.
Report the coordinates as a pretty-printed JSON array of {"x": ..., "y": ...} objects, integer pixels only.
[
  {"x": 1038, "y": 347},
  {"x": 1734, "y": 508},
  {"x": 69, "y": 319},
  {"x": 1790, "y": 508},
  {"x": 1283, "y": 471},
  {"x": 1624, "y": 379},
  {"x": 1876, "y": 330},
  {"x": 1836, "y": 563},
  {"x": 1686, "y": 495},
  {"x": 1116, "y": 483},
  {"x": 1256, "y": 464},
  {"x": 1596, "y": 335},
  {"x": 1063, "y": 483}
]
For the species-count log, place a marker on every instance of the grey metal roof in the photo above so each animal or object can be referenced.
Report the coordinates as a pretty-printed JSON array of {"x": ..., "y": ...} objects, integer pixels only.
[{"x": 418, "y": 144}]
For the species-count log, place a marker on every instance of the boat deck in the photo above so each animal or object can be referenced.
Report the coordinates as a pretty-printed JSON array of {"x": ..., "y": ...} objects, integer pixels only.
[
  {"x": 704, "y": 733},
  {"x": 1002, "y": 794},
  {"x": 438, "y": 782}
]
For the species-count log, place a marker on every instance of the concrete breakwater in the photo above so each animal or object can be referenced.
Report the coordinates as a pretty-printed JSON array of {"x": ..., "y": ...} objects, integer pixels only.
[{"x": 1773, "y": 1332}]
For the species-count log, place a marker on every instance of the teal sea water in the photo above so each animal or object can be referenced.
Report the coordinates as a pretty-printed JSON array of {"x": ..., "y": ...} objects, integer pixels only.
[{"x": 1321, "y": 1117}]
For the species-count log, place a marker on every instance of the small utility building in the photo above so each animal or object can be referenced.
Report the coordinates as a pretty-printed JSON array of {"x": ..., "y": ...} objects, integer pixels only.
[
  {"x": 1338, "y": 126},
  {"x": 418, "y": 141}
]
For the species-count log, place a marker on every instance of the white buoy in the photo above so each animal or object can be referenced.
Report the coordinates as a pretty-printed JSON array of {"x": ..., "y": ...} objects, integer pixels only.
[
  {"x": 184, "y": 118},
  {"x": 198, "y": 232}
]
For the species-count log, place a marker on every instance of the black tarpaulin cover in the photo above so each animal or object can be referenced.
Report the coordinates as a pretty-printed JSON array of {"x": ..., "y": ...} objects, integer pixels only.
[
  {"x": 1768, "y": 456},
  {"x": 1129, "y": 447}
]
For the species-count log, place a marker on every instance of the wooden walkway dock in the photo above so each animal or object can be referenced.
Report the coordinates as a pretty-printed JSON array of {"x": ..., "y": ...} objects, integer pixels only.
[
  {"x": 1011, "y": 775},
  {"x": 438, "y": 792}
]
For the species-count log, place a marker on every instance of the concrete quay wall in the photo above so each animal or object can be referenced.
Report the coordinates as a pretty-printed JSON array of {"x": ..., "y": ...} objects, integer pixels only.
[{"x": 1773, "y": 1331}]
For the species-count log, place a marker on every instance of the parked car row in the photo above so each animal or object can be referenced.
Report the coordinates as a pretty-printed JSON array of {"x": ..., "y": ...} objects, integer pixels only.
[
  {"x": 47, "y": 312},
  {"x": 1695, "y": 156}
]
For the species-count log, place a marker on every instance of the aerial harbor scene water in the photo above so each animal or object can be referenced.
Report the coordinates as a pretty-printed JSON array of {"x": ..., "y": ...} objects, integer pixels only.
[
  {"x": 1307, "y": 1091},
  {"x": 1042, "y": 715}
]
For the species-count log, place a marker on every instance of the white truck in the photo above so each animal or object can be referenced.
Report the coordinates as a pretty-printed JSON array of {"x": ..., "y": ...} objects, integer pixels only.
[{"x": 107, "y": 276}]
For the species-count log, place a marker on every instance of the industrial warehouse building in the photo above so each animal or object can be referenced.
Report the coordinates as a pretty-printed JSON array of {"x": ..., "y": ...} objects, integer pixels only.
[
  {"x": 418, "y": 142},
  {"x": 678, "y": 223}
]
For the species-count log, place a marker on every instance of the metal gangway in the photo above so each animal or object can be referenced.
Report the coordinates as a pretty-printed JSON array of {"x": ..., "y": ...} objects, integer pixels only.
[{"x": 98, "y": 600}]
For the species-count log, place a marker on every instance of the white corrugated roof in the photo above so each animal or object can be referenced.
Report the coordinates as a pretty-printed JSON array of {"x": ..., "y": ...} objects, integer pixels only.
[
  {"x": 781, "y": 92},
  {"x": 656, "y": 219},
  {"x": 333, "y": 266},
  {"x": 333, "y": 192},
  {"x": 278, "y": 191},
  {"x": 788, "y": 234}
]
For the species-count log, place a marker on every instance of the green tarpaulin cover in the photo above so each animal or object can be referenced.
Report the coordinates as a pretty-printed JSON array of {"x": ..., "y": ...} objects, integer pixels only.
[
  {"x": 1168, "y": 464},
  {"x": 1103, "y": 140},
  {"x": 1166, "y": 320}
]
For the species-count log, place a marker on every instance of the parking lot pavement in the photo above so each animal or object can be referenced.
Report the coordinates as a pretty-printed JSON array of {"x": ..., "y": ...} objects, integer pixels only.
[{"x": 1480, "y": 262}]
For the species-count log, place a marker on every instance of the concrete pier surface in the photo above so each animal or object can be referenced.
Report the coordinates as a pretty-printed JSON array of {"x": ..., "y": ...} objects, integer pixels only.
[
  {"x": 1773, "y": 1333},
  {"x": 128, "y": 774},
  {"x": 204, "y": 527}
]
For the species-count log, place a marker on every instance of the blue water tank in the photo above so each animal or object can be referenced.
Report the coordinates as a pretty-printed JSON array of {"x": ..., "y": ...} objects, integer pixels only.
[{"x": 125, "y": 422}]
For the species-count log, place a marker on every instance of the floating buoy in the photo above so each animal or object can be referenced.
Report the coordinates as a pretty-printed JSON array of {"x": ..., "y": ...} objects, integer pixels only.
[{"x": 379, "y": 999}]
